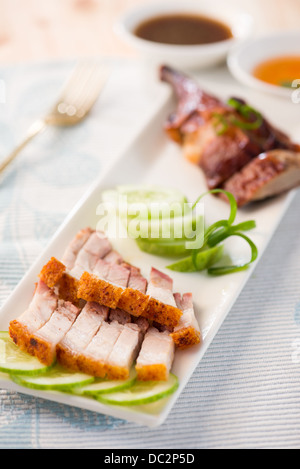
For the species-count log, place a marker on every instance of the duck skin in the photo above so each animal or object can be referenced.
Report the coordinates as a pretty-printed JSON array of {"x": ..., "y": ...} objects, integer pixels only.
[
  {"x": 221, "y": 138},
  {"x": 271, "y": 173}
]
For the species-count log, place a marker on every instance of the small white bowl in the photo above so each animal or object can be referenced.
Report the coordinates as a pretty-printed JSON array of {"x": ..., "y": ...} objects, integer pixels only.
[
  {"x": 191, "y": 57},
  {"x": 243, "y": 59}
]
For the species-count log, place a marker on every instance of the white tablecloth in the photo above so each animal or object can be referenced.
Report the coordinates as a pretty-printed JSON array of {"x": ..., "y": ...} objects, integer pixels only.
[{"x": 246, "y": 391}]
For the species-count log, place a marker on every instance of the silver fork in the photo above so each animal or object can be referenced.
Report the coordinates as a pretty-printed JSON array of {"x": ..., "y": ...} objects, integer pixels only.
[{"x": 75, "y": 102}]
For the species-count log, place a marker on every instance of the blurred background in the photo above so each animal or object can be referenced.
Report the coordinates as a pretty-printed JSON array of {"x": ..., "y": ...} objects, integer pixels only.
[{"x": 33, "y": 30}]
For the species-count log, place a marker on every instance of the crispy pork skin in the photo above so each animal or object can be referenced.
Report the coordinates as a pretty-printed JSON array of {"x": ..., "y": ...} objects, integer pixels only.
[
  {"x": 156, "y": 357},
  {"x": 134, "y": 302},
  {"x": 187, "y": 333},
  {"x": 269, "y": 174}
]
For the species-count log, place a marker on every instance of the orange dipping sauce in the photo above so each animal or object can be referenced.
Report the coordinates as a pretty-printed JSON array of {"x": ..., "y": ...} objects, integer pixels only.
[{"x": 279, "y": 71}]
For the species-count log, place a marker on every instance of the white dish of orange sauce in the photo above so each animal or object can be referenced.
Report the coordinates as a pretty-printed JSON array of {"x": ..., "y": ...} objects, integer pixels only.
[{"x": 269, "y": 64}]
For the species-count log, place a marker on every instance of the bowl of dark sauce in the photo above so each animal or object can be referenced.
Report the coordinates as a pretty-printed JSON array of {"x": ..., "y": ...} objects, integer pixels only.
[{"x": 183, "y": 33}]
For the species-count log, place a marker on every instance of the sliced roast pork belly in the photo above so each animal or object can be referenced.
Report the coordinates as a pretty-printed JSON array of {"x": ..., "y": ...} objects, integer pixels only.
[
  {"x": 134, "y": 299},
  {"x": 45, "y": 340},
  {"x": 187, "y": 333},
  {"x": 70, "y": 348},
  {"x": 162, "y": 305},
  {"x": 218, "y": 137},
  {"x": 120, "y": 316},
  {"x": 130, "y": 300},
  {"x": 40, "y": 310},
  {"x": 156, "y": 356},
  {"x": 124, "y": 352},
  {"x": 93, "y": 359},
  {"x": 75, "y": 246},
  {"x": 269, "y": 174},
  {"x": 96, "y": 247}
]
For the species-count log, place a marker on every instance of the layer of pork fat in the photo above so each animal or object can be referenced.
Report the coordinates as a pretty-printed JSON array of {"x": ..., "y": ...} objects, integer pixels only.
[
  {"x": 188, "y": 319},
  {"x": 97, "y": 247},
  {"x": 74, "y": 247},
  {"x": 126, "y": 347},
  {"x": 58, "y": 325},
  {"x": 41, "y": 308},
  {"x": 160, "y": 287},
  {"x": 103, "y": 342},
  {"x": 157, "y": 349},
  {"x": 85, "y": 327}
]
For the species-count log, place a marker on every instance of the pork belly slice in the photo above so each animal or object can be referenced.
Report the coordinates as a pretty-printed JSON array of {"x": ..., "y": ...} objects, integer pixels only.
[
  {"x": 156, "y": 356},
  {"x": 40, "y": 310},
  {"x": 93, "y": 360},
  {"x": 92, "y": 288},
  {"x": 132, "y": 301},
  {"x": 162, "y": 307},
  {"x": 89, "y": 321},
  {"x": 71, "y": 253},
  {"x": 268, "y": 175},
  {"x": 187, "y": 333},
  {"x": 97, "y": 247},
  {"x": 120, "y": 316},
  {"x": 118, "y": 275},
  {"x": 45, "y": 340},
  {"x": 124, "y": 352},
  {"x": 53, "y": 274}
]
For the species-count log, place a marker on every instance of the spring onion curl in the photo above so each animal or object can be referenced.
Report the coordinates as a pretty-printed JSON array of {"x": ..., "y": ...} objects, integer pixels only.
[{"x": 222, "y": 230}]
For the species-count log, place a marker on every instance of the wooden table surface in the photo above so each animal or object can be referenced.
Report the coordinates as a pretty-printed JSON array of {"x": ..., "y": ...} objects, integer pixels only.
[{"x": 33, "y": 30}]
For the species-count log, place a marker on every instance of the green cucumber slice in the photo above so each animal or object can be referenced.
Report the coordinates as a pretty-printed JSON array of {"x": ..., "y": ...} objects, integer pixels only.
[
  {"x": 102, "y": 386},
  {"x": 57, "y": 379},
  {"x": 128, "y": 199},
  {"x": 163, "y": 249},
  {"x": 149, "y": 194},
  {"x": 14, "y": 360},
  {"x": 203, "y": 260},
  {"x": 142, "y": 393}
]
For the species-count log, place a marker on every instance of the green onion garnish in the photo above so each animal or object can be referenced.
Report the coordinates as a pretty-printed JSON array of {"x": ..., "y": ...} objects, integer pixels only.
[{"x": 253, "y": 119}]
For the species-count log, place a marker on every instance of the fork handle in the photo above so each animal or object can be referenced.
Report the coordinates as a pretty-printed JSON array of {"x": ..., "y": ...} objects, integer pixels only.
[{"x": 34, "y": 130}]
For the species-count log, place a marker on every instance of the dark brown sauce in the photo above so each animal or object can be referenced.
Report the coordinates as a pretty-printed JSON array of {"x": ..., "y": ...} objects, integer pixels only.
[{"x": 183, "y": 29}]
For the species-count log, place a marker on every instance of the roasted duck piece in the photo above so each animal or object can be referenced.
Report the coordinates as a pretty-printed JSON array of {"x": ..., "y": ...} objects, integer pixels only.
[
  {"x": 269, "y": 174},
  {"x": 221, "y": 138}
]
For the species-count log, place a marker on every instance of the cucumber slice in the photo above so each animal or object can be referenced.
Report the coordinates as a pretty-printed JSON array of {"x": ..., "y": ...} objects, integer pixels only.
[
  {"x": 14, "y": 360},
  {"x": 57, "y": 379},
  {"x": 163, "y": 249},
  {"x": 151, "y": 194},
  {"x": 165, "y": 229},
  {"x": 102, "y": 386},
  {"x": 128, "y": 200},
  {"x": 142, "y": 393}
]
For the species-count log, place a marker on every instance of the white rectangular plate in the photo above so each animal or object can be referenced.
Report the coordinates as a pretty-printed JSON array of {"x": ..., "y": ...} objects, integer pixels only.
[{"x": 152, "y": 158}]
